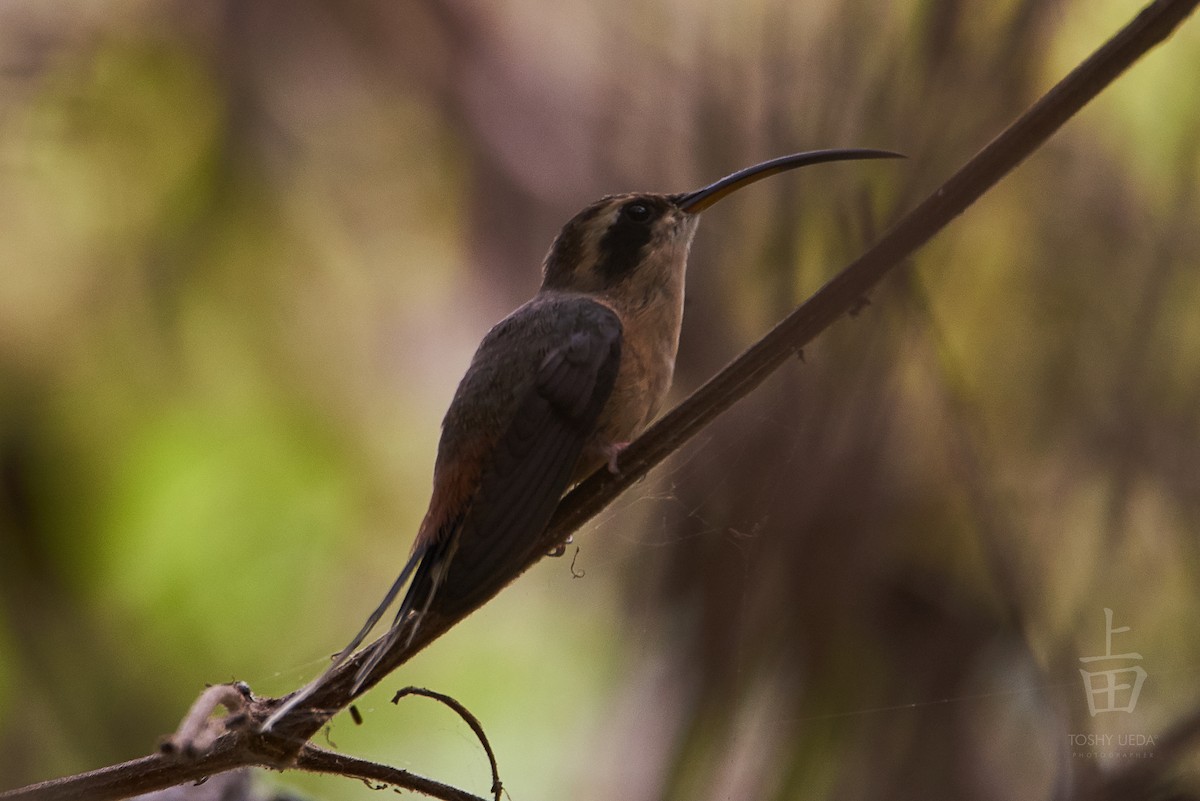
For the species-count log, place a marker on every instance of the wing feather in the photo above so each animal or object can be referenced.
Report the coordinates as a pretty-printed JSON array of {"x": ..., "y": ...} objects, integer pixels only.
[
  {"x": 532, "y": 464},
  {"x": 479, "y": 544}
]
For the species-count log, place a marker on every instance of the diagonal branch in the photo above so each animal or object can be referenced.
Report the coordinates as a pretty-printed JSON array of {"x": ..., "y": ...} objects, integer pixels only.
[
  {"x": 844, "y": 292},
  {"x": 284, "y": 744}
]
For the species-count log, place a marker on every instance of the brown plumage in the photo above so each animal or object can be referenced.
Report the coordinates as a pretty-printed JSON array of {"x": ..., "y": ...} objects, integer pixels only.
[{"x": 554, "y": 391}]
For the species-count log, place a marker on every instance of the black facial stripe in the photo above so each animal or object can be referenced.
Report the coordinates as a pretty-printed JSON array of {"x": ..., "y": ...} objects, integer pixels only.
[
  {"x": 622, "y": 243},
  {"x": 567, "y": 252}
]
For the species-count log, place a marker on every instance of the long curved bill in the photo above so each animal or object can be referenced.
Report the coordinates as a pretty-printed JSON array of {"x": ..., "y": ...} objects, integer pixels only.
[{"x": 701, "y": 199}]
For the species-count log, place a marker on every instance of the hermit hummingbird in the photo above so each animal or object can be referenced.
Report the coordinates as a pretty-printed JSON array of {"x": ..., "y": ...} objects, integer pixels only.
[{"x": 555, "y": 391}]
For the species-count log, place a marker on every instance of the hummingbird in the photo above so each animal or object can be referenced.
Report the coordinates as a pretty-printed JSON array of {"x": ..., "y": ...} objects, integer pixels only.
[{"x": 555, "y": 391}]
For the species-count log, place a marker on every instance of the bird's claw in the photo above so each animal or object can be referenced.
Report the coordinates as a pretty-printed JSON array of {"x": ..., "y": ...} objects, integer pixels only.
[{"x": 561, "y": 548}]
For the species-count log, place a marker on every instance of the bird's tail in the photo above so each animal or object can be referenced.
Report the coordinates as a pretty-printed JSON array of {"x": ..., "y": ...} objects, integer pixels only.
[
  {"x": 414, "y": 562},
  {"x": 430, "y": 566},
  {"x": 385, "y": 644}
]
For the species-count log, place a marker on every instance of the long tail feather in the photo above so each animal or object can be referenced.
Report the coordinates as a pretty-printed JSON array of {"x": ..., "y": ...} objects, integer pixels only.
[
  {"x": 386, "y": 643},
  {"x": 307, "y": 690}
]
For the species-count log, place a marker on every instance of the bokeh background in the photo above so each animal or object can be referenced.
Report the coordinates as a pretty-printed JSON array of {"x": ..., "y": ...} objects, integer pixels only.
[{"x": 247, "y": 248}]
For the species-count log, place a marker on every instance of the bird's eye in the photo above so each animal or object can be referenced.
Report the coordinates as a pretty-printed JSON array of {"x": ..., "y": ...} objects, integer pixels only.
[{"x": 637, "y": 212}]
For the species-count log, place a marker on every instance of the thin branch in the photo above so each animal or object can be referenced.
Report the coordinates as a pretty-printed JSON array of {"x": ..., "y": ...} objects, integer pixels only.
[
  {"x": 840, "y": 296},
  {"x": 468, "y": 718},
  {"x": 284, "y": 744},
  {"x": 138, "y": 776},
  {"x": 318, "y": 760},
  {"x": 156, "y": 772}
]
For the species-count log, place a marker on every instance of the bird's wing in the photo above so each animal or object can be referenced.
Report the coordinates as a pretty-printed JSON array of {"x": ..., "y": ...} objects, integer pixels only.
[
  {"x": 533, "y": 462},
  {"x": 522, "y": 479},
  {"x": 523, "y": 476}
]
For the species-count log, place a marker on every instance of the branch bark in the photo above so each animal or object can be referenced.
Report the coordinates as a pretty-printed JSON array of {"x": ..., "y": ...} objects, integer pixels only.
[{"x": 284, "y": 746}]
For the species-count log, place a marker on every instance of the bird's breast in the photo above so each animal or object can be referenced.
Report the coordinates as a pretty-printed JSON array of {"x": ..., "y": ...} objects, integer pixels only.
[{"x": 649, "y": 342}]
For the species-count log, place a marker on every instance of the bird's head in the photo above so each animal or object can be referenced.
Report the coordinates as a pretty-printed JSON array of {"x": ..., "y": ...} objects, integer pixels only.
[{"x": 627, "y": 246}]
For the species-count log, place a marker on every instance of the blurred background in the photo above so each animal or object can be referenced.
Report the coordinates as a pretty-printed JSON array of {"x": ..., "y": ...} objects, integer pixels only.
[{"x": 248, "y": 247}]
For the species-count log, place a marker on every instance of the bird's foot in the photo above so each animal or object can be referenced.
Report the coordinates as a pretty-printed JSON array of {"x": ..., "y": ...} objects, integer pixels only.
[{"x": 559, "y": 550}]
